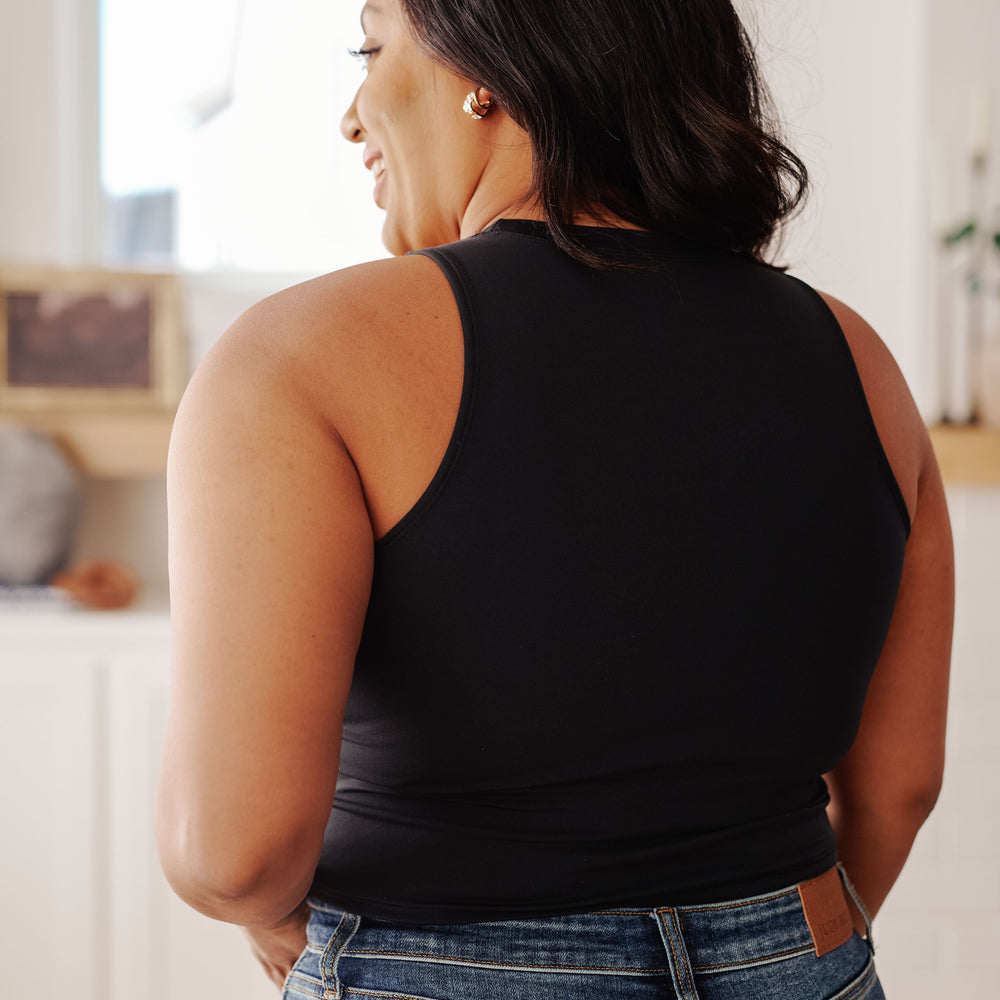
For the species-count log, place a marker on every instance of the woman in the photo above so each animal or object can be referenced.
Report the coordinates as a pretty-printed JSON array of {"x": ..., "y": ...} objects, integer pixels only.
[{"x": 525, "y": 587}]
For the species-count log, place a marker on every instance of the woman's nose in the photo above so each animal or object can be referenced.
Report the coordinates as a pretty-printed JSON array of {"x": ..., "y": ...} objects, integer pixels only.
[{"x": 350, "y": 124}]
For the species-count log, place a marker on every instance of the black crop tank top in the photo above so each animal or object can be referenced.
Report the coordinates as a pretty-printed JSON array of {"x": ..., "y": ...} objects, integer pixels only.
[{"x": 631, "y": 622}]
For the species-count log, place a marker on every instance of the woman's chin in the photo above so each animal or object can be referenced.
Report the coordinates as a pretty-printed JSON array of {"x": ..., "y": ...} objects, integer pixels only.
[
  {"x": 394, "y": 241},
  {"x": 399, "y": 240}
]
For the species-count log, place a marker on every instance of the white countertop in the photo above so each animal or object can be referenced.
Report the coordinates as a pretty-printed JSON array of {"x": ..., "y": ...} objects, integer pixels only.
[{"x": 48, "y": 614}]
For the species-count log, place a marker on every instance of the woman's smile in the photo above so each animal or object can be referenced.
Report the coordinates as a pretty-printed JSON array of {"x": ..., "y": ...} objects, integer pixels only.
[{"x": 375, "y": 162}]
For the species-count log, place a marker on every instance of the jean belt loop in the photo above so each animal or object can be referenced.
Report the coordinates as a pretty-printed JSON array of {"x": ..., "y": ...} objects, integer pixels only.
[
  {"x": 341, "y": 937},
  {"x": 669, "y": 922},
  {"x": 853, "y": 893}
]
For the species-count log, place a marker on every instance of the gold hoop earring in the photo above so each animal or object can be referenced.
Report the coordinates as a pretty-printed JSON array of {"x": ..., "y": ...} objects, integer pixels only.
[{"x": 475, "y": 108}]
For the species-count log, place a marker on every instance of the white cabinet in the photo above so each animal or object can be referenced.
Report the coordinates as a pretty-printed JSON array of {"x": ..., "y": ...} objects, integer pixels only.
[
  {"x": 49, "y": 803},
  {"x": 83, "y": 904}
]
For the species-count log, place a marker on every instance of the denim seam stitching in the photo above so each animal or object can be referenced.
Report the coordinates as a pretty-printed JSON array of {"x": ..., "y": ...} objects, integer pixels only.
[
  {"x": 678, "y": 966},
  {"x": 757, "y": 960},
  {"x": 294, "y": 974},
  {"x": 379, "y": 993},
  {"x": 455, "y": 960},
  {"x": 861, "y": 986},
  {"x": 638, "y": 912},
  {"x": 698, "y": 908},
  {"x": 315, "y": 988},
  {"x": 331, "y": 954},
  {"x": 735, "y": 906},
  {"x": 688, "y": 972},
  {"x": 853, "y": 893}
]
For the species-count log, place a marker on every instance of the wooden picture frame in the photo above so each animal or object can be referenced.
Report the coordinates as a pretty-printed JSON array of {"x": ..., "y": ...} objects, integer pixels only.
[{"x": 90, "y": 340}]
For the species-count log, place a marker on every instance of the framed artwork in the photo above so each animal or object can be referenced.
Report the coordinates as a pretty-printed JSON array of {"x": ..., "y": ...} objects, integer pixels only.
[{"x": 89, "y": 340}]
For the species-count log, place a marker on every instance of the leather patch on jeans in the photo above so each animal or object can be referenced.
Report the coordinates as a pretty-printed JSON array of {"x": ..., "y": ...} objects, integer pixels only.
[{"x": 825, "y": 907}]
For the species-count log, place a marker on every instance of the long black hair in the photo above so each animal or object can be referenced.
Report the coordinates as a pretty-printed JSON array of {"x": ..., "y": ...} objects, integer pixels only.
[{"x": 654, "y": 109}]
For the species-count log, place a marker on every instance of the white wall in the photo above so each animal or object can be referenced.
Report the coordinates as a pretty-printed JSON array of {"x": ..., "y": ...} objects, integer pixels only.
[
  {"x": 49, "y": 183},
  {"x": 30, "y": 207},
  {"x": 964, "y": 56},
  {"x": 281, "y": 134}
]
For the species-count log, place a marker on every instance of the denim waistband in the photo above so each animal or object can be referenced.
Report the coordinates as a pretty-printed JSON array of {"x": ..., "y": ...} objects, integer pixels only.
[{"x": 683, "y": 943}]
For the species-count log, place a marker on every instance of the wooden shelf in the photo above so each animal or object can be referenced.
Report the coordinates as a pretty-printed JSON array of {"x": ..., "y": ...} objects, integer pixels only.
[
  {"x": 967, "y": 454},
  {"x": 106, "y": 446}
]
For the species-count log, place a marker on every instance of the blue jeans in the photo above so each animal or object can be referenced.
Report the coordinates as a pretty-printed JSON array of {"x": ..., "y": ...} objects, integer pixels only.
[{"x": 754, "y": 949}]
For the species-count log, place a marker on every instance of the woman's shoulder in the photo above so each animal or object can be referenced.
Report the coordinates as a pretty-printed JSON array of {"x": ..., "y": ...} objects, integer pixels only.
[
  {"x": 897, "y": 419},
  {"x": 341, "y": 316},
  {"x": 322, "y": 342}
]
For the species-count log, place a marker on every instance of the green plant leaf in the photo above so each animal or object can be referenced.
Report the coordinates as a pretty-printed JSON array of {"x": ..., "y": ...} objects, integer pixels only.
[{"x": 964, "y": 233}]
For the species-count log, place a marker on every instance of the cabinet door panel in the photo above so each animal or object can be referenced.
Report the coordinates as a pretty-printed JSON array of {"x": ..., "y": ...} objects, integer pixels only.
[
  {"x": 84, "y": 906},
  {"x": 52, "y": 857}
]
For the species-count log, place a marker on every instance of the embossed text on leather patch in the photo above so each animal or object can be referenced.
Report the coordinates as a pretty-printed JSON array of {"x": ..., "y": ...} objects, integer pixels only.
[{"x": 825, "y": 907}]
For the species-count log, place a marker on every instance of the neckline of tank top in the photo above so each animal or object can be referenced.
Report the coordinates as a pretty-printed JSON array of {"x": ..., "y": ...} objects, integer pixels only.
[{"x": 644, "y": 242}]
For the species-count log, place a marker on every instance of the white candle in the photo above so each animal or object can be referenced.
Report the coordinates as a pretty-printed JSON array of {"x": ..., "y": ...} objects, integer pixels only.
[{"x": 979, "y": 131}]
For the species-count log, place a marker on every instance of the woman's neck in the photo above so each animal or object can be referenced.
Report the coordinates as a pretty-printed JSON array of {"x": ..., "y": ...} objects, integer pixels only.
[{"x": 504, "y": 190}]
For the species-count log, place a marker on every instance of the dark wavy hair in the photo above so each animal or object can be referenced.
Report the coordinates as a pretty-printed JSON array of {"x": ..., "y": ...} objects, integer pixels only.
[{"x": 654, "y": 109}]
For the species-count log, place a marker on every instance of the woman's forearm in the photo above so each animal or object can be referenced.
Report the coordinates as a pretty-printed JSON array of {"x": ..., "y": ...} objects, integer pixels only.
[{"x": 873, "y": 844}]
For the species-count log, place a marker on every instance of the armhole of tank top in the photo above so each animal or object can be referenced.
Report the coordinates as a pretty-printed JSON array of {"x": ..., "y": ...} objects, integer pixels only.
[
  {"x": 859, "y": 387},
  {"x": 426, "y": 500}
]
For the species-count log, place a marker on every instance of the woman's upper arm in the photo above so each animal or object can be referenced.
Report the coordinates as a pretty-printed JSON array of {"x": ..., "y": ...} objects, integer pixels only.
[
  {"x": 270, "y": 572},
  {"x": 897, "y": 758}
]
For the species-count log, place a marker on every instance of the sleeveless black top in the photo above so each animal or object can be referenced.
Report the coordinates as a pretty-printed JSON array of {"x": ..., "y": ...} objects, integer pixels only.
[{"x": 631, "y": 622}]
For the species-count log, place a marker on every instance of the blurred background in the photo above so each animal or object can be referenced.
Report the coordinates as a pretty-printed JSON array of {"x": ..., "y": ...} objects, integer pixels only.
[{"x": 201, "y": 140}]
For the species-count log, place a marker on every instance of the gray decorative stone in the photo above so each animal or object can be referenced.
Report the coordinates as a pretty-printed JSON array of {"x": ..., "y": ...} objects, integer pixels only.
[{"x": 40, "y": 499}]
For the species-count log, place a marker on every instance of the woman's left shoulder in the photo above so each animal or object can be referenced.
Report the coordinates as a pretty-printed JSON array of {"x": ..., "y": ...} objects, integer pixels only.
[
  {"x": 897, "y": 419},
  {"x": 331, "y": 348},
  {"x": 337, "y": 323}
]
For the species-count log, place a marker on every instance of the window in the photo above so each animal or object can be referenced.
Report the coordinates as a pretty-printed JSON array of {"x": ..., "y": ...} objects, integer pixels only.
[{"x": 220, "y": 144}]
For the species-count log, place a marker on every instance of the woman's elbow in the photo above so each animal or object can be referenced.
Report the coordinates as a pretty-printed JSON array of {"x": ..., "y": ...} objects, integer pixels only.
[
  {"x": 908, "y": 800},
  {"x": 922, "y": 799},
  {"x": 234, "y": 879}
]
